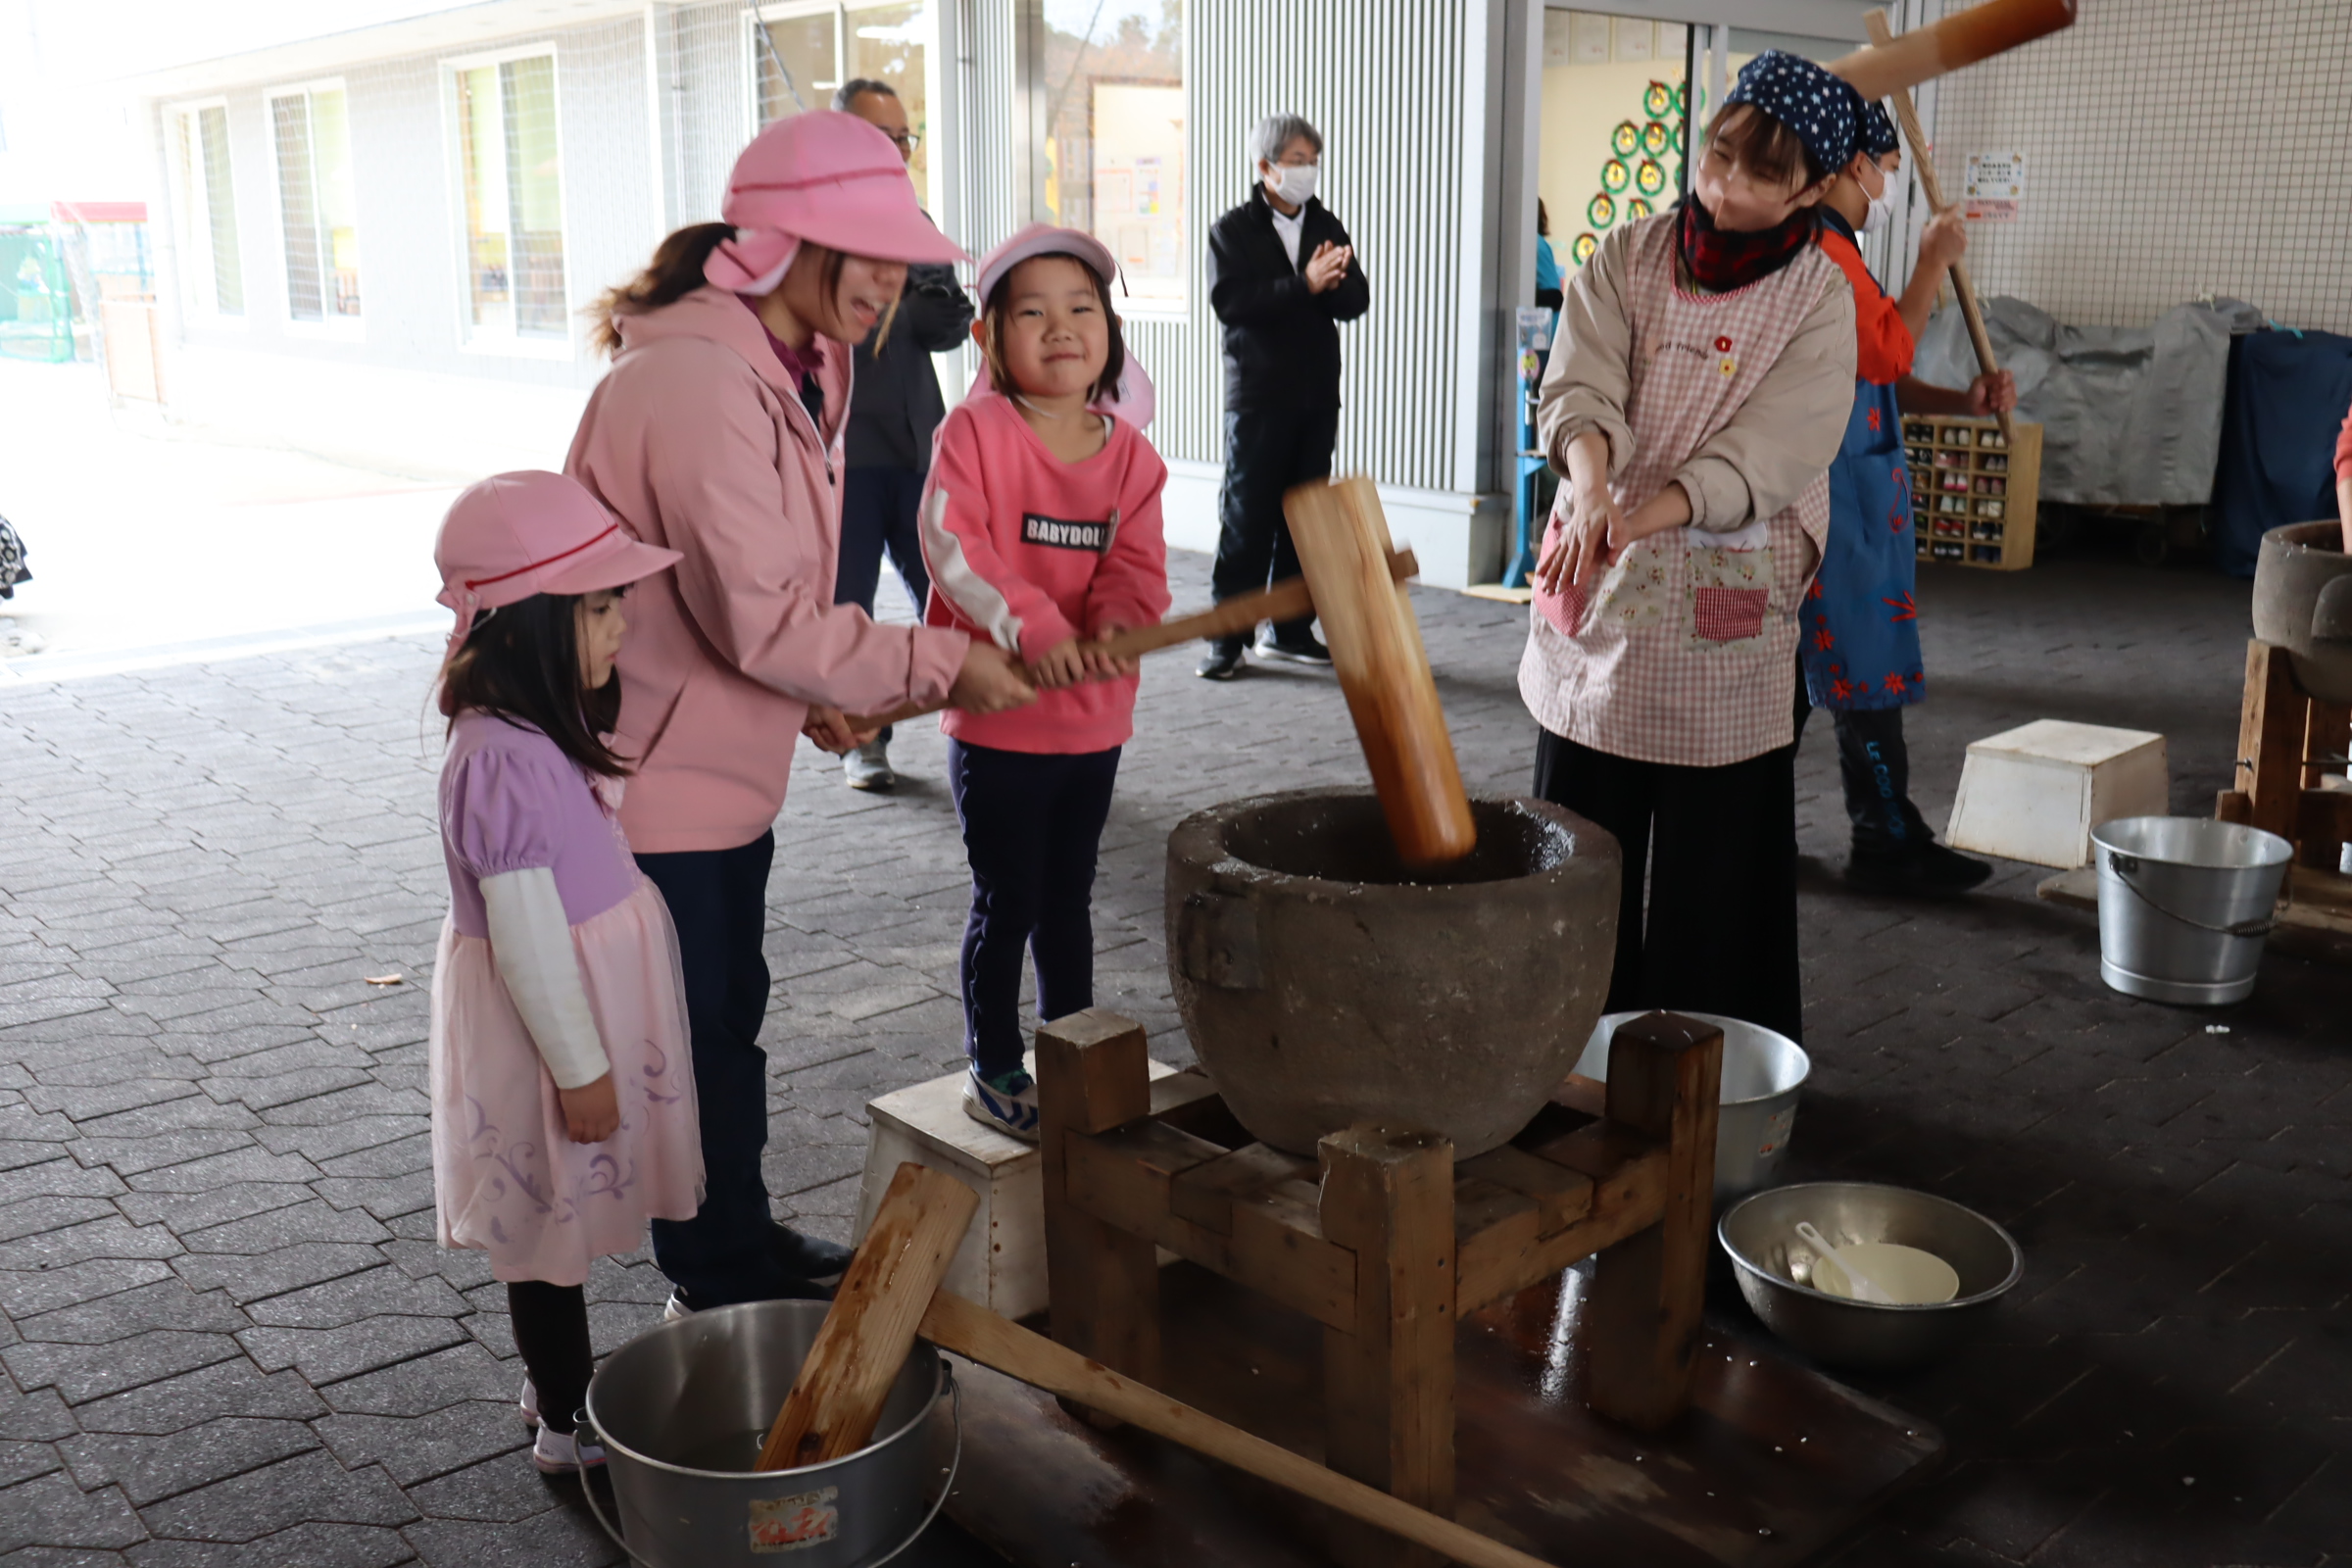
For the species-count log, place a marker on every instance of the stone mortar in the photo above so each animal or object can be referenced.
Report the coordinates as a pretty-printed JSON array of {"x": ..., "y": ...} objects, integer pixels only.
[
  {"x": 1324, "y": 983},
  {"x": 2303, "y": 603}
]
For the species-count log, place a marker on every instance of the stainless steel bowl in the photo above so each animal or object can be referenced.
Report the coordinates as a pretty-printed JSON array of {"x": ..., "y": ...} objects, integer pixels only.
[
  {"x": 1776, "y": 1269},
  {"x": 1763, "y": 1073}
]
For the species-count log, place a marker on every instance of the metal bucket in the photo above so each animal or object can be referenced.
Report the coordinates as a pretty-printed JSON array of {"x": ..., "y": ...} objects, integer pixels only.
[
  {"x": 682, "y": 1411},
  {"x": 2184, "y": 903},
  {"x": 1762, "y": 1073}
]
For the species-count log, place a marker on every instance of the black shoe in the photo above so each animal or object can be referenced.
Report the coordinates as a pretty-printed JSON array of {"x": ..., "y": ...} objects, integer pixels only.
[
  {"x": 806, "y": 1258},
  {"x": 1223, "y": 662},
  {"x": 1930, "y": 869},
  {"x": 1301, "y": 649}
]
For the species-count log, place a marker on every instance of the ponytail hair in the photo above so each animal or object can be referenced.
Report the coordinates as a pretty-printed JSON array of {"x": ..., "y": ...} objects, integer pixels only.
[{"x": 675, "y": 272}]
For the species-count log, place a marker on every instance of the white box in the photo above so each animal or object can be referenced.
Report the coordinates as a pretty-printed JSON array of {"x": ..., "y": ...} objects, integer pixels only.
[
  {"x": 1002, "y": 1263},
  {"x": 2035, "y": 792}
]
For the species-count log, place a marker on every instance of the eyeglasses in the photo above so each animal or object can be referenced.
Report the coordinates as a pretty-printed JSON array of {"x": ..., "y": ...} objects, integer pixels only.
[{"x": 906, "y": 140}]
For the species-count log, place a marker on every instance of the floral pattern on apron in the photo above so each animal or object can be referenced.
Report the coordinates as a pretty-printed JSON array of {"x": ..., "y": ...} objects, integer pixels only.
[{"x": 1683, "y": 650}]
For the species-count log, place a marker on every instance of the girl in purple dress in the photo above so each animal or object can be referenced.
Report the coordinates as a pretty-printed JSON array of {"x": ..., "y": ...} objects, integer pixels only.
[{"x": 562, "y": 1085}]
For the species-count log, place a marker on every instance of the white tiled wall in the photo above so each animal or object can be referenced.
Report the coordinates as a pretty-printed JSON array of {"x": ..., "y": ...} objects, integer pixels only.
[{"x": 2174, "y": 148}]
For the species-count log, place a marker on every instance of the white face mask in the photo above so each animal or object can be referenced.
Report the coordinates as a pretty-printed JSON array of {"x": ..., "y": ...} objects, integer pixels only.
[
  {"x": 1881, "y": 206},
  {"x": 1294, "y": 182}
]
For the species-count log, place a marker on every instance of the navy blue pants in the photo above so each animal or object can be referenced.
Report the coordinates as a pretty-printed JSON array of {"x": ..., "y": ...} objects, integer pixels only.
[
  {"x": 1032, "y": 822},
  {"x": 878, "y": 510},
  {"x": 719, "y": 902},
  {"x": 1266, "y": 452}
]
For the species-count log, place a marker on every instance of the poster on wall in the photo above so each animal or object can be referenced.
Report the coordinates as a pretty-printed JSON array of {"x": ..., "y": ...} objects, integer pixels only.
[
  {"x": 1996, "y": 183},
  {"x": 1138, "y": 146}
]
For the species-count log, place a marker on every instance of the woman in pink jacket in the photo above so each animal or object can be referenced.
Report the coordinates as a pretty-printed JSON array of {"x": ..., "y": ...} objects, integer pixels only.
[{"x": 717, "y": 434}]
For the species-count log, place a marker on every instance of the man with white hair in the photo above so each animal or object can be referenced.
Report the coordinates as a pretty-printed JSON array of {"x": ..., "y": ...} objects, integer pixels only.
[{"x": 1282, "y": 275}]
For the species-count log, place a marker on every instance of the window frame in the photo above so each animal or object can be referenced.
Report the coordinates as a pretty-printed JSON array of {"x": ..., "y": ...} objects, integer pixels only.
[
  {"x": 472, "y": 339},
  {"x": 755, "y": 17},
  {"x": 199, "y": 287},
  {"x": 330, "y": 324}
]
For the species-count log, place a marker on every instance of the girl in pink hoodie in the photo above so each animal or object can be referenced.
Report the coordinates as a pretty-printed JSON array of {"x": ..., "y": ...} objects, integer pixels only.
[
  {"x": 717, "y": 434},
  {"x": 1042, "y": 531}
]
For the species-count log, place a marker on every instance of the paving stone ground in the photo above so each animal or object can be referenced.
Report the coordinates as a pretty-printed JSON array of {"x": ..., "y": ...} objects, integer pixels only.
[{"x": 228, "y": 1337}]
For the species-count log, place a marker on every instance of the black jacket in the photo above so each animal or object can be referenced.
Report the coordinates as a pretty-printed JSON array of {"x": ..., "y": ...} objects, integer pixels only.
[
  {"x": 1282, "y": 342},
  {"x": 895, "y": 406}
]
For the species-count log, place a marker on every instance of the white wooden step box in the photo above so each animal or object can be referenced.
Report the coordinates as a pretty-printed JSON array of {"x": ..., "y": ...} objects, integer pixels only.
[
  {"x": 2035, "y": 792},
  {"x": 1002, "y": 1263}
]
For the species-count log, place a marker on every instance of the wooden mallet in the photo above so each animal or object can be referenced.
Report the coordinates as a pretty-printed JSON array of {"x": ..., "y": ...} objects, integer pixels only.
[
  {"x": 1288, "y": 600},
  {"x": 1962, "y": 38},
  {"x": 1384, "y": 671},
  {"x": 1907, "y": 116}
]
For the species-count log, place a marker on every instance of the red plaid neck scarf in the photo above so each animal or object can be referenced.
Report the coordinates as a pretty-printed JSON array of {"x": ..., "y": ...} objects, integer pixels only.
[{"x": 1720, "y": 260}]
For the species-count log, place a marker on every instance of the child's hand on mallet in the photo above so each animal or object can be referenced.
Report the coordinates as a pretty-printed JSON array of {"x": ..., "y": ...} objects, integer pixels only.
[
  {"x": 591, "y": 1112},
  {"x": 1063, "y": 665},
  {"x": 1101, "y": 662}
]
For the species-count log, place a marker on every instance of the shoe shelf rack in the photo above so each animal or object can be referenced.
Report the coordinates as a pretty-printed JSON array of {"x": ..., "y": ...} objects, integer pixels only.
[{"x": 1973, "y": 494}]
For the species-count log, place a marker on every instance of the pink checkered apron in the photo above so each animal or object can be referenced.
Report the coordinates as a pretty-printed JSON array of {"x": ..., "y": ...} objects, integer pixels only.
[{"x": 1683, "y": 651}]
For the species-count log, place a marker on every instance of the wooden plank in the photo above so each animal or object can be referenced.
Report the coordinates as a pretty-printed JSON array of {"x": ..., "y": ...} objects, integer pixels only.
[
  {"x": 2232, "y": 806},
  {"x": 2322, "y": 822},
  {"x": 1665, "y": 1079},
  {"x": 1122, "y": 1176},
  {"x": 1102, "y": 1282},
  {"x": 1388, "y": 1383},
  {"x": 1189, "y": 1100},
  {"x": 837, "y": 1397},
  {"x": 2326, "y": 726},
  {"x": 1205, "y": 1194},
  {"x": 1561, "y": 1196},
  {"x": 1586, "y": 1095},
  {"x": 2269, "y": 740},
  {"x": 1628, "y": 1198},
  {"x": 1279, "y": 1248}
]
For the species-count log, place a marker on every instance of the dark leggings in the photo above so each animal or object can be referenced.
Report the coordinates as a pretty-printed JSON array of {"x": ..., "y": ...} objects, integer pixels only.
[{"x": 551, "y": 1329}]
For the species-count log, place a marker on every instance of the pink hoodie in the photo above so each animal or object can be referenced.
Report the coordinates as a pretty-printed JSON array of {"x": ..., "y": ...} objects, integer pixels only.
[
  {"x": 698, "y": 440},
  {"x": 1028, "y": 550}
]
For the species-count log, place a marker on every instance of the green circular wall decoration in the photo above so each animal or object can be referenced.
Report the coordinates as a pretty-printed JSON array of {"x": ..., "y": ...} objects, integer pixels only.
[
  {"x": 1614, "y": 175},
  {"x": 1626, "y": 139},
  {"x": 1600, "y": 212}
]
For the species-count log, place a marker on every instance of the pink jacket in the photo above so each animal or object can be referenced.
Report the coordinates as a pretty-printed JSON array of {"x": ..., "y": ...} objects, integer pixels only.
[
  {"x": 699, "y": 443},
  {"x": 1028, "y": 550}
]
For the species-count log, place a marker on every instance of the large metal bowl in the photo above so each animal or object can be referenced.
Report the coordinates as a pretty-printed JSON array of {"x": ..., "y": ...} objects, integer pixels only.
[
  {"x": 1776, "y": 1269},
  {"x": 1763, "y": 1072}
]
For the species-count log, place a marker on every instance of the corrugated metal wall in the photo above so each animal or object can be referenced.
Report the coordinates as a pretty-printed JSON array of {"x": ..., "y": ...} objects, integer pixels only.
[{"x": 1384, "y": 81}]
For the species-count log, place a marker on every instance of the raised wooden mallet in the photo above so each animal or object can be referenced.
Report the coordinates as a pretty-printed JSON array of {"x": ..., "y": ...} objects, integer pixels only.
[
  {"x": 1384, "y": 671},
  {"x": 1962, "y": 38},
  {"x": 1930, "y": 187}
]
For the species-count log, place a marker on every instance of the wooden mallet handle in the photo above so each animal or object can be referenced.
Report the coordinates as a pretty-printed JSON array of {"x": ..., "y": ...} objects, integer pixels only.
[
  {"x": 1962, "y": 38},
  {"x": 1288, "y": 600},
  {"x": 1908, "y": 117},
  {"x": 955, "y": 1324}
]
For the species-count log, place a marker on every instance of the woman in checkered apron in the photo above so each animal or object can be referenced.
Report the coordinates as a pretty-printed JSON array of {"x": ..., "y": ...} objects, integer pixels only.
[{"x": 1698, "y": 389}]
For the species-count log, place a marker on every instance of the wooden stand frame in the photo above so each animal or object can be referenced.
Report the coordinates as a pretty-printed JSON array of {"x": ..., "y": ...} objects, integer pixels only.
[{"x": 1383, "y": 1238}]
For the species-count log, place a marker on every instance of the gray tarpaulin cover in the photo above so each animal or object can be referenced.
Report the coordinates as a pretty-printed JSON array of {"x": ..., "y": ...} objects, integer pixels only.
[{"x": 2130, "y": 416}]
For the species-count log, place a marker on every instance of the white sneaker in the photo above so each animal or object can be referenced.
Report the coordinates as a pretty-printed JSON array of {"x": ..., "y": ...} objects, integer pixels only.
[
  {"x": 529, "y": 1404},
  {"x": 1008, "y": 1104},
  {"x": 868, "y": 767},
  {"x": 675, "y": 1309},
  {"x": 562, "y": 1453}
]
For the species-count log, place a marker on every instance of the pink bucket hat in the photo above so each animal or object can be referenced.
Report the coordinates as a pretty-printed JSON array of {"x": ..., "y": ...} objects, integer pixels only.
[
  {"x": 1134, "y": 399},
  {"x": 513, "y": 535},
  {"x": 825, "y": 177}
]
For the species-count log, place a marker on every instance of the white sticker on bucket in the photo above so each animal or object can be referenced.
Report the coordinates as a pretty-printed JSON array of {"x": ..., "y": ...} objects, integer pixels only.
[{"x": 788, "y": 1524}]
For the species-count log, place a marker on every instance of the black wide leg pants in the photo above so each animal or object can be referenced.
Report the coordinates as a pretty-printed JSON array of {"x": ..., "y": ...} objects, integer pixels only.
[{"x": 1712, "y": 927}]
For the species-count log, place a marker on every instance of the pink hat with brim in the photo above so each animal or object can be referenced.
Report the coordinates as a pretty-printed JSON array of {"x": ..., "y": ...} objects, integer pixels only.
[
  {"x": 827, "y": 177},
  {"x": 513, "y": 535},
  {"x": 1045, "y": 239}
]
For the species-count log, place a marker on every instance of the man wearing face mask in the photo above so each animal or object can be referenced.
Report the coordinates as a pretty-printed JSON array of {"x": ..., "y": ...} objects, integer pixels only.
[
  {"x": 1858, "y": 648},
  {"x": 1282, "y": 275}
]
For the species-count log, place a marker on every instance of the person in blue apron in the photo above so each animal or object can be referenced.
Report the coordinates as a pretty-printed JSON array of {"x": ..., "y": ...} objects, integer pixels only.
[{"x": 1858, "y": 654}]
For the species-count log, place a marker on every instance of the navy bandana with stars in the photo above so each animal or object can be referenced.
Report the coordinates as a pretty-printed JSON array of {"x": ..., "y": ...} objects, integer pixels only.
[
  {"x": 1818, "y": 108},
  {"x": 1876, "y": 131}
]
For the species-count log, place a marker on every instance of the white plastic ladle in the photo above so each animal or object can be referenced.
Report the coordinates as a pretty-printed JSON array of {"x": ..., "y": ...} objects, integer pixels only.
[{"x": 1866, "y": 1288}]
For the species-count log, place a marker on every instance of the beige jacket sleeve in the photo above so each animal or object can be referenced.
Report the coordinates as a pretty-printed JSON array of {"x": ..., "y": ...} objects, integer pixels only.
[
  {"x": 1590, "y": 376},
  {"x": 1790, "y": 428}
]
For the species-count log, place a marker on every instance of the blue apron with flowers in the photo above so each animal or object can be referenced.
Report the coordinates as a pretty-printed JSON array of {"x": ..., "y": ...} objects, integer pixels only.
[{"x": 1859, "y": 642}]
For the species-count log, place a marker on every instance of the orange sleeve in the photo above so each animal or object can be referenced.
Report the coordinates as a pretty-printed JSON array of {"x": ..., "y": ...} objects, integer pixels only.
[{"x": 1883, "y": 343}]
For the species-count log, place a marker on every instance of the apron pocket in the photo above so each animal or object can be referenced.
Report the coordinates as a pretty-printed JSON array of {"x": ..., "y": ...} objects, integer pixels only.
[{"x": 1729, "y": 614}]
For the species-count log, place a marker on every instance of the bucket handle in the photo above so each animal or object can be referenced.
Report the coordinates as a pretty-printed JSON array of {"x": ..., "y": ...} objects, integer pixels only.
[
  {"x": 2123, "y": 866},
  {"x": 955, "y": 1463}
]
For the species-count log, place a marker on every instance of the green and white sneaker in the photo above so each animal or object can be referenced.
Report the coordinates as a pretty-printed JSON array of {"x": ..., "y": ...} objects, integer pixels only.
[{"x": 1006, "y": 1101}]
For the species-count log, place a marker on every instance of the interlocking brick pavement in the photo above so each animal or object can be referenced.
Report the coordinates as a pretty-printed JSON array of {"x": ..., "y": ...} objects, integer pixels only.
[{"x": 228, "y": 1337}]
